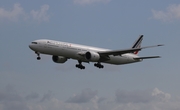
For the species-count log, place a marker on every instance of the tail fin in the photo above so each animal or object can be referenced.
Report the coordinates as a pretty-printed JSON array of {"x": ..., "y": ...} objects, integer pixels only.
[{"x": 137, "y": 43}]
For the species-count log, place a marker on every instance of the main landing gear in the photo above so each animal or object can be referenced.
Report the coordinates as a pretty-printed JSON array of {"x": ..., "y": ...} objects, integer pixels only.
[
  {"x": 38, "y": 56},
  {"x": 98, "y": 65},
  {"x": 80, "y": 66}
]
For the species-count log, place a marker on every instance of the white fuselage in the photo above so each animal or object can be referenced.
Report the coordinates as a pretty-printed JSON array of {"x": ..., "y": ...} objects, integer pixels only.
[{"x": 74, "y": 51}]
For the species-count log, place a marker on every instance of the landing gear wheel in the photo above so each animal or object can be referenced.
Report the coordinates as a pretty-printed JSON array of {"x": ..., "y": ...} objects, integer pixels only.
[
  {"x": 38, "y": 58},
  {"x": 80, "y": 66},
  {"x": 101, "y": 66},
  {"x": 98, "y": 65}
]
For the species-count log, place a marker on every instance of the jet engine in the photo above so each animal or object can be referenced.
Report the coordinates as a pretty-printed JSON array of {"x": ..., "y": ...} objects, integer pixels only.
[
  {"x": 59, "y": 59},
  {"x": 92, "y": 56}
]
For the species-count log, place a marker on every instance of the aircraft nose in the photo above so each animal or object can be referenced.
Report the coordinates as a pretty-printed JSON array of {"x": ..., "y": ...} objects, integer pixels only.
[{"x": 31, "y": 46}]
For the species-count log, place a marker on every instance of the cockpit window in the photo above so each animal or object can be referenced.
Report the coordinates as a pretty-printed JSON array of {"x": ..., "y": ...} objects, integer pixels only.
[{"x": 34, "y": 42}]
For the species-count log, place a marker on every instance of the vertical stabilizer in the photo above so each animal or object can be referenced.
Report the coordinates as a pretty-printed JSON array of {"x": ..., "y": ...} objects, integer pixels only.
[{"x": 137, "y": 43}]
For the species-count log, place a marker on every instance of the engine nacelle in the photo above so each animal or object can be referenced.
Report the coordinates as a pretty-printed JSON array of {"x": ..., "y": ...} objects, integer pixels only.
[
  {"x": 92, "y": 56},
  {"x": 59, "y": 59}
]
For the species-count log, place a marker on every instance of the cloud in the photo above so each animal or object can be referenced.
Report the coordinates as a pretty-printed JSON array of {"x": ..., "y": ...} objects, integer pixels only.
[
  {"x": 46, "y": 97},
  {"x": 85, "y": 96},
  {"x": 154, "y": 99},
  {"x": 31, "y": 96},
  {"x": 142, "y": 96},
  {"x": 161, "y": 96},
  {"x": 17, "y": 13},
  {"x": 41, "y": 15},
  {"x": 12, "y": 15},
  {"x": 172, "y": 13},
  {"x": 86, "y": 2},
  {"x": 133, "y": 97},
  {"x": 11, "y": 100}
]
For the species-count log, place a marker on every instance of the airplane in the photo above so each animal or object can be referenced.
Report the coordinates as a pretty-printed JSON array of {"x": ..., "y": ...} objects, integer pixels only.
[{"x": 62, "y": 51}]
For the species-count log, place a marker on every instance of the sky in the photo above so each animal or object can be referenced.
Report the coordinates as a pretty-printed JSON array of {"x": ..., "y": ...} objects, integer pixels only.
[{"x": 28, "y": 84}]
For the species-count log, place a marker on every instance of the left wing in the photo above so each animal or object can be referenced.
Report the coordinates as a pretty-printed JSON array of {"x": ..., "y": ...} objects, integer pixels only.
[{"x": 120, "y": 52}]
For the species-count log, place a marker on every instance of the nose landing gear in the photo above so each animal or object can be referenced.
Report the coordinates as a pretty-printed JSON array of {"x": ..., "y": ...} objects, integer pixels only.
[{"x": 38, "y": 55}]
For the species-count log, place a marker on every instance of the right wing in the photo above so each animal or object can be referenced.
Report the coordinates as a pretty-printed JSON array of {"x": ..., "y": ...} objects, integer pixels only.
[
  {"x": 120, "y": 52},
  {"x": 139, "y": 58}
]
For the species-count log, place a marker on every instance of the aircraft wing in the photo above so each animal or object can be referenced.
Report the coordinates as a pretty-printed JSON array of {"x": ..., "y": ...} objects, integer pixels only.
[
  {"x": 139, "y": 58},
  {"x": 120, "y": 52}
]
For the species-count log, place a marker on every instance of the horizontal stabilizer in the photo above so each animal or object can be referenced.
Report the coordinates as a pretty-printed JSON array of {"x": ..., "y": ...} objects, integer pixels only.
[
  {"x": 147, "y": 57},
  {"x": 152, "y": 46}
]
